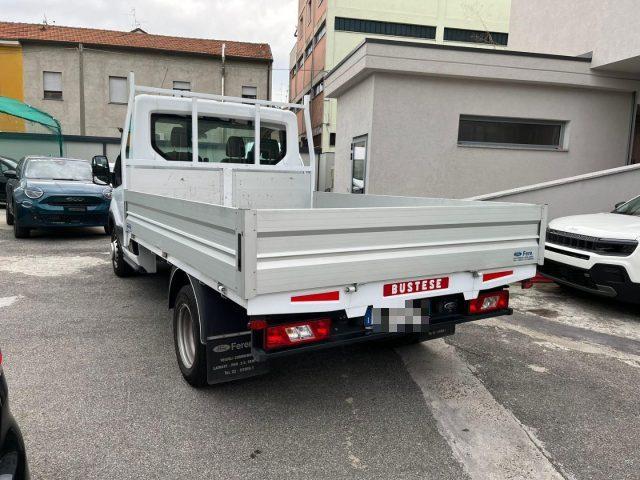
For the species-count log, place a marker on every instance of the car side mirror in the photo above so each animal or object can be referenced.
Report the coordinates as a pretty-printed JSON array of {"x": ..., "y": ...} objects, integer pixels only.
[
  {"x": 100, "y": 168},
  {"x": 618, "y": 205},
  {"x": 11, "y": 174}
]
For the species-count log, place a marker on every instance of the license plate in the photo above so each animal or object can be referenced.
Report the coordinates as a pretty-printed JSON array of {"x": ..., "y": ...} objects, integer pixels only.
[
  {"x": 415, "y": 286},
  {"x": 76, "y": 209}
]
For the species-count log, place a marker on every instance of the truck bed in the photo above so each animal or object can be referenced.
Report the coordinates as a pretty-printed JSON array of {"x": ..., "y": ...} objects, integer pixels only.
[{"x": 343, "y": 240}]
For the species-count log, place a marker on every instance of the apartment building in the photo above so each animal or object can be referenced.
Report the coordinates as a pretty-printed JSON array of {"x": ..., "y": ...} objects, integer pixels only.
[
  {"x": 78, "y": 75},
  {"x": 328, "y": 30}
]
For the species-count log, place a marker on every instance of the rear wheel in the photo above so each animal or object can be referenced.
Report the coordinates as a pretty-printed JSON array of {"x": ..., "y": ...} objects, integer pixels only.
[
  {"x": 120, "y": 267},
  {"x": 191, "y": 354},
  {"x": 20, "y": 232},
  {"x": 8, "y": 215}
]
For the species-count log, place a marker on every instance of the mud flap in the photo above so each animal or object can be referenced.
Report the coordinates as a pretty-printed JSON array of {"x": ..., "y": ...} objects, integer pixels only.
[{"x": 229, "y": 358}]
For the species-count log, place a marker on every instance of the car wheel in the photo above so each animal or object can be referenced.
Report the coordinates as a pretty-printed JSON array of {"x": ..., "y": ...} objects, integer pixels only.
[
  {"x": 20, "y": 232},
  {"x": 191, "y": 354},
  {"x": 120, "y": 267},
  {"x": 8, "y": 215}
]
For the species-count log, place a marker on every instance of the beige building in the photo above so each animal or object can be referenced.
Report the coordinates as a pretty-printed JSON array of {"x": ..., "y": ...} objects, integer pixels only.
[
  {"x": 328, "y": 30},
  {"x": 448, "y": 121},
  {"x": 78, "y": 75}
]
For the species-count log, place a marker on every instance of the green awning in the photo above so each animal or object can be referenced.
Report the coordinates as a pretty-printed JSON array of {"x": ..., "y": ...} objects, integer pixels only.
[{"x": 19, "y": 109}]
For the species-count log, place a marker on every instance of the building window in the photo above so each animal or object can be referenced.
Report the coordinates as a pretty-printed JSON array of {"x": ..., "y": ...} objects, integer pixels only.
[
  {"x": 358, "y": 164},
  {"x": 385, "y": 28},
  {"x": 332, "y": 139},
  {"x": 308, "y": 12},
  {"x": 250, "y": 92},
  {"x": 511, "y": 132},
  {"x": 118, "y": 90},
  {"x": 318, "y": 89},
  {"x": 52, "y": 82},
  {"x": 309, "y": 49},
  {"x": 300, "y": 63},
  {"x": 182, "y": 86},
  {"x": 475, "y": 36},
  {"x": 221, "y": 140},
  {"x": 322, "y": 31}
]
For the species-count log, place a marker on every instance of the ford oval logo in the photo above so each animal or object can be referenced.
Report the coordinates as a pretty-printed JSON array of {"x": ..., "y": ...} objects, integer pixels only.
[
  {"x": 518, "y": 254},
  {"x": 221, "y": 348}
]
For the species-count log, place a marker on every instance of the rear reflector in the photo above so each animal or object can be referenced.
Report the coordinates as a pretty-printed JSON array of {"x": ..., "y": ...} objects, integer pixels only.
[
  {"x": 318, "y": 297},
  {"x": 489, "y": 302},
  {"x": 495, "y": 275},
  {"x": 291, "y": 334}
]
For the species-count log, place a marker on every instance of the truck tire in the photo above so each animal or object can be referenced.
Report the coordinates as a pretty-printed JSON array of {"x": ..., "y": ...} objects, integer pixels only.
[
  {"x": 190, "y": 353},
  {"x": 8, "y": 215},
  {"x": 120, "y": 267},
  {"x": 20, "y": 232}
]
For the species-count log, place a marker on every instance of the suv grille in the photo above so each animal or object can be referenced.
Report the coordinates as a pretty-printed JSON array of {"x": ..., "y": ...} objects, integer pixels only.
[{"x": 602, "y": 246}]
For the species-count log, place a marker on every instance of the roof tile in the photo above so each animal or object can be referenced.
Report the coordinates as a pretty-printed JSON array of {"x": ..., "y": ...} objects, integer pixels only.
[{"x": 113, "y": 38}]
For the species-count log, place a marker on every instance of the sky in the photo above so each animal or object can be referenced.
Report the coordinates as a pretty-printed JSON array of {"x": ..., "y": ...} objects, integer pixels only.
[{"x": 264, "y": 21}]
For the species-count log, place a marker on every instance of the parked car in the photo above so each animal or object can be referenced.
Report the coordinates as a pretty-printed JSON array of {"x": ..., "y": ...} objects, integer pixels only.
[
  {"x": 13, "y": 457},
  {"x": 6, "y": 163},
  {"x": 44, "y": 192},
  {"x": 597, "y": 253}
]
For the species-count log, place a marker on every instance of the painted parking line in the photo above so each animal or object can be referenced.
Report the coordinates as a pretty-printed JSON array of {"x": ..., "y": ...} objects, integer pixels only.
[
  {"x": 8, "y": 301},
  {"x": 49, "y": 265},
  {"x": 485, "y": 437}
]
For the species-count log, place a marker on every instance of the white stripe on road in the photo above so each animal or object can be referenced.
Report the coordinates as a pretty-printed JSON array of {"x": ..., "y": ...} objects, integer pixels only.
[
  {"x": 553, "y": 341},
  {"x": 485, "y": 437},
  {"x": 8, "y": 301}
]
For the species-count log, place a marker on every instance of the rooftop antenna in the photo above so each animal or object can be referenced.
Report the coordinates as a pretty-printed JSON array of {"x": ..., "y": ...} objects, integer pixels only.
[{"x": 134, "y": 20}]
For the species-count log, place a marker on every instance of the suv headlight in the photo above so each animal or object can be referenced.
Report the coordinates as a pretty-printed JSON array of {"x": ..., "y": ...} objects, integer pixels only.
[
  {"x": 107, "y": 193},
  {"x": 33, "y": 192}
]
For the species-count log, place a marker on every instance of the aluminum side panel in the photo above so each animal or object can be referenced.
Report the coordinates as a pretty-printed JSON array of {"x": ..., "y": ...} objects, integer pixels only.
[
  {"x": 303, "y": 249},
  {"x": 200, "y": 235}
]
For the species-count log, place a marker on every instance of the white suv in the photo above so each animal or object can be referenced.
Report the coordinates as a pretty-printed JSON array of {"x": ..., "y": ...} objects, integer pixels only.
[{"x": 597, "y": 253}]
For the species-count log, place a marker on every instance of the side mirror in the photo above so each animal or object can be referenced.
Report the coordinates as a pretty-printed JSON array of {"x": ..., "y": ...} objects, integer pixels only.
[
  {"x": 618, "y": 205},
  {"x": 10, "y": 174},
  {"x": 100, "y": 168}
]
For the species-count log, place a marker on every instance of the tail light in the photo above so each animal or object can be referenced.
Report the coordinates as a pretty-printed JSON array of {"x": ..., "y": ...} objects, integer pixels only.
[
  {"x": 292, "y": 334},
  {"x": 489, "y": 302}
]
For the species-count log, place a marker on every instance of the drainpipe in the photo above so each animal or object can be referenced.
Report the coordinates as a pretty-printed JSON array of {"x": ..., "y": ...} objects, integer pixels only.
[
  {"x": 224, "y": 47},
  {"x": 634, "y": 127},
  {"x": 81, "y": 80}
]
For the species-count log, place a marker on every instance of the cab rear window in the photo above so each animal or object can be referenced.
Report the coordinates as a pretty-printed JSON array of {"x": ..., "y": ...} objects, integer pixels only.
[{"x": 220, "y": 140}]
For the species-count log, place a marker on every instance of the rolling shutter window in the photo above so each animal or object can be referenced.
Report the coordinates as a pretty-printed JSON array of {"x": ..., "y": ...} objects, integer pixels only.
[
  {"x": 52, "y": 82},
  {"x": 184, "y": 86},
  {"x": 250, "y": 92},
  {"x": 117, "y": 90}
]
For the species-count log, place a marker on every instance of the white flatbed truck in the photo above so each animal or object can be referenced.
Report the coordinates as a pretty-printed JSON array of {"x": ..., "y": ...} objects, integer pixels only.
[{"x": 262, "y": 266}]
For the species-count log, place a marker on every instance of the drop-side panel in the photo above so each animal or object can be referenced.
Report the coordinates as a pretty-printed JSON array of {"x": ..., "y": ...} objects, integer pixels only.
[
  {"x": 306, "y": 249},
  {"x": 199, "y": 235}
]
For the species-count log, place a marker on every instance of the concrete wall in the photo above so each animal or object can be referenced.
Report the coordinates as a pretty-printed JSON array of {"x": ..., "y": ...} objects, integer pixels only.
[
  {"x": 151, "y": 69},
  {"x": 592, "y": 193},
  {"x": 415, "y": 125},
  {"x": 356, "y": 119},
  {"x": 575, "y": 27}
]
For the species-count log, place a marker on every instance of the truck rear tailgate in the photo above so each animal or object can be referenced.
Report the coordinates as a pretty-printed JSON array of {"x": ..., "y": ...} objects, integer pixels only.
[{"x": 313, "y": 248}]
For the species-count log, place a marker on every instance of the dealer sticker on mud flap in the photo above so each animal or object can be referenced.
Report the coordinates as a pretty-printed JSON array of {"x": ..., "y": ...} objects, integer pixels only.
[{"x": 229, "y": 357}]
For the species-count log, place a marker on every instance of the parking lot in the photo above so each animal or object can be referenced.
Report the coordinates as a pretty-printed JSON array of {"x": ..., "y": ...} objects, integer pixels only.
[{"x": 551, "y": 392}]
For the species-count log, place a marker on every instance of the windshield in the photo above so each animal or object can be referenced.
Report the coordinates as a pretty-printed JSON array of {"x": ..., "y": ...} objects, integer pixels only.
[
  {"x": 632, "y": 207},
  {"x": 58, "y": 169}
]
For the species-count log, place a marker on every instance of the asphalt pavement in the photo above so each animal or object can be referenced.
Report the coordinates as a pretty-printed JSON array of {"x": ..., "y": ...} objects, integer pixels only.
[{"x": 550, "y": 392}]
